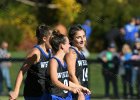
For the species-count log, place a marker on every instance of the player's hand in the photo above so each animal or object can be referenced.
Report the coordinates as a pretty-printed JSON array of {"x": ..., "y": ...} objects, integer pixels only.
[
  {"x": 86, "y": 90},
  {"x": 75, "y": 90},
  {"x": 13, "y": 95}
]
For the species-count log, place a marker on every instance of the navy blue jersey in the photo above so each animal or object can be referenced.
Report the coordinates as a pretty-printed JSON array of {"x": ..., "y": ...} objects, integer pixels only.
[
  {"x": 81, "y": 68},
  {"x": 63, "y": 77},
  {"x": 35, "y": 80}
]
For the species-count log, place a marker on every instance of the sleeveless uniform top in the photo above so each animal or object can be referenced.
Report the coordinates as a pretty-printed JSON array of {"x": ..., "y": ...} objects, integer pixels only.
[
  {"x": 63, "y": 77},
  {"x": 81, "y": 68},
  {"x": 35, "y": 80}
]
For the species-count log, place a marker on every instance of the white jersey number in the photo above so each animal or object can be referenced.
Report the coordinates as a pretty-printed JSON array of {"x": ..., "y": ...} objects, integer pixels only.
[
  {"x": 65, "y": 83},
  {"x": 85, "y": 74}
]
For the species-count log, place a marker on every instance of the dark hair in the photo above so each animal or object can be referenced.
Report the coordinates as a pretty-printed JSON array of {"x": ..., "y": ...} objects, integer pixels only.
[
  {"x": 42, "y": 30},
  {"x": 72, "y": 31},
  {"x": 56, "y": 39}
]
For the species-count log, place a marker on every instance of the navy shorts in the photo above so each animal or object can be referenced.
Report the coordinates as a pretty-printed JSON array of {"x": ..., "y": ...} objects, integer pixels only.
[
  {"x": 34, "y": 98},
  {"x": 87, "y": 97},
  {"x": 75, "y": 97},
  {"x": 55, "y": 97}
]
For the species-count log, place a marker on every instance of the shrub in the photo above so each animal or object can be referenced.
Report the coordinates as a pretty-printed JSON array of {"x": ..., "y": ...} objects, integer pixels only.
[{"x": 11, "y": 34}]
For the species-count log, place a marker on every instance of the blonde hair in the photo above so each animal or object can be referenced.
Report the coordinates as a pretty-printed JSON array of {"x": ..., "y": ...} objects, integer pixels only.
[{"x": 126, "y": 49}]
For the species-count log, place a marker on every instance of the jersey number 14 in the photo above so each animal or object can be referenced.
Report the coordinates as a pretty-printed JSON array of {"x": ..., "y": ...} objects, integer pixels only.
[{"x": 85, "y": 74}]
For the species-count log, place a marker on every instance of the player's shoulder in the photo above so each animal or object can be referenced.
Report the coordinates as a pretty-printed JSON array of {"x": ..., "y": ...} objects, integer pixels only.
[
  {"x": 33, "y": 51},
  {"x": 72, "y": 50},
  {"x": 71, "y": 53},
  {"x": 53, "y": 61}
]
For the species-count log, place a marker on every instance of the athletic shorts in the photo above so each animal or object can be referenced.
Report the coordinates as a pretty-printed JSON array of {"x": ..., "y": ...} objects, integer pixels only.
[
  {"x": 87, "y": 97},
  {"x": 34, "y": 98},
  {"x": 55, "y": 97},
  {"x": 75, "y": 97}
]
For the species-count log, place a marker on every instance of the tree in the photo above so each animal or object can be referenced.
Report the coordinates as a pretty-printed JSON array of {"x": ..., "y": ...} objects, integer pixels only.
[
  {"x": 22, "y": 23},
  {"x": 67, "y": 10}
]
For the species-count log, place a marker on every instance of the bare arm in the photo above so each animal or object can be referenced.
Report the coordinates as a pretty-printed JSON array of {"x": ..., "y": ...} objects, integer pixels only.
[
  {"x": 71, "y": 62},
  {"x": 31, "y": 59},
  {"x": 53, "y": 74}
]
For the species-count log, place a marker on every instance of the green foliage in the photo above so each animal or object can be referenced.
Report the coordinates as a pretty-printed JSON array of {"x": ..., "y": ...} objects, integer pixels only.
[
  {"x": 11, "y": 34},
  {"x": 67, "y": 10},
  {"x": 104, "y": 15},
  {"x": 17, "y": 20}
]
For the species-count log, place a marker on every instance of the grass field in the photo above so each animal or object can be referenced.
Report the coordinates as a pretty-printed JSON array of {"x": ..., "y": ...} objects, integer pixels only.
[
  {"x": 6, "y": 98},
  {"x": 96, "y": 82}
]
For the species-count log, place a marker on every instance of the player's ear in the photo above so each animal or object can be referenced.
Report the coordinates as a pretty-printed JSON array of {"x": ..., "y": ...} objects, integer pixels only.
[
  {"x": 62, "y": 46},
  {"x": 44, "y": 38}
]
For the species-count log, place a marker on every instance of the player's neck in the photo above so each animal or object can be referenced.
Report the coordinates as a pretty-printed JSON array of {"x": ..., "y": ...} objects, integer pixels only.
[
  {"x": 60, "y": 54},
  {"x": 44, "y": 47}
]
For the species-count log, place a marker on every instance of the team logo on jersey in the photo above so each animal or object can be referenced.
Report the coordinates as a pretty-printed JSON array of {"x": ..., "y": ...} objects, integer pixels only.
[
  {"x": 82, "y": 62},
  {"x": 65, "y": 81},
  {"x": 63, "y": 74},
  {"x": 44, "y": 64}
]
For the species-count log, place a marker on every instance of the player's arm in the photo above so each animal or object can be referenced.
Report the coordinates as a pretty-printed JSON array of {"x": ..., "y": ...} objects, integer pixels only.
[
  {"x": 32, "y": 58},
  {"x": 53, "y": 65},
  {"x": 83, "y": 89},
  {"x": 71, "y": 62}
]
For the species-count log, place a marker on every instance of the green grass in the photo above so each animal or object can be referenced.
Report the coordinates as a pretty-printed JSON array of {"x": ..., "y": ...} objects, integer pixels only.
[
  {"x": 96, "y": 81},
  {"x": 95, "y": 78},
  {"x": 19, "y": 54},
  {"x": 7, "y": 98}
]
